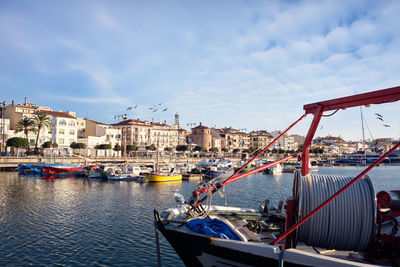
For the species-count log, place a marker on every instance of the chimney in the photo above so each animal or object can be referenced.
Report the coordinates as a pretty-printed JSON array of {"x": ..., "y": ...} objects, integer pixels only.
[
  {"x": 26, "y": 101},
  {"x": 12, "y": 102},
  {"x": 200, "y": 124}
]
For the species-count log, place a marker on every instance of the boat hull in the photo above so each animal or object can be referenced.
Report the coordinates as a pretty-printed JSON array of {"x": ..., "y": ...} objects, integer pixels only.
[
  {"x": 156, "y": 178},
  {"x": 200, "y": 250}
]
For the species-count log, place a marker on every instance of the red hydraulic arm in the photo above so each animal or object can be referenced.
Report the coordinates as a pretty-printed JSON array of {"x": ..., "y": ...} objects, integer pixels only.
[{"x": 317, "y": 109}]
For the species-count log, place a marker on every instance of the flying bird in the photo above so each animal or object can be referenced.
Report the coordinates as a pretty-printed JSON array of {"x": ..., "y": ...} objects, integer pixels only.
[
  {"x": 160, "y": 104},
  {"x": 165, "y": 109},
  {"x": 129, "y": 108},
  {"x": 386, "y": 125},
  {"x": 379, "y": 115},
  {"x": 151, "y": 108},
  {"x": 155, "y": 110},
  {"x": 135, "y": 107}
]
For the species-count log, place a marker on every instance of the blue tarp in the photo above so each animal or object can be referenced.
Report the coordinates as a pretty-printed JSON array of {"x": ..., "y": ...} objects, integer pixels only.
[{"x": 212, "y": 227}]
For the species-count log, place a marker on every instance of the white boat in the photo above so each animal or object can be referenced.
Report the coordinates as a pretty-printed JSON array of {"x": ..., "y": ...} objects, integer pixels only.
[
  {"x": 126, "y": 173},
  {"x": 329, "y": 220},
  {"x": 277, "y": 169}
]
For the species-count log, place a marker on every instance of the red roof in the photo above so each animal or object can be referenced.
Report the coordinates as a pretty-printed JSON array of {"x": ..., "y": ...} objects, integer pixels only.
[
  {"x": 57, "y": 114},
  {"x": 131, "y": 122}
]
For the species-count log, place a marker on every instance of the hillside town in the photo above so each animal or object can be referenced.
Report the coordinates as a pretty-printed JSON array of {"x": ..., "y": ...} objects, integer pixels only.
[{"x": 62, "y": 131}]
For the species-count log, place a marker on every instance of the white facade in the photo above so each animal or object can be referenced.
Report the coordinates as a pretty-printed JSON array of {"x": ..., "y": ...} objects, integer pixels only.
[{"x": 64, "y": 130}]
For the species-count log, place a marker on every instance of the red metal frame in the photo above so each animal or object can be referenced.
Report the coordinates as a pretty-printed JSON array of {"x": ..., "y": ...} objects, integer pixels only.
[{"x": 317, "y": 109}]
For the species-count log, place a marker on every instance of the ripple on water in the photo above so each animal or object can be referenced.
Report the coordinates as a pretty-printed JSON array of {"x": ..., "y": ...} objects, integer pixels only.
[{"x": 81, "y": 222}]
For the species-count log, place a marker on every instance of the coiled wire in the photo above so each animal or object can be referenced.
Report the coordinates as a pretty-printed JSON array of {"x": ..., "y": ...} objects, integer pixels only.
[{"x": 347, "y": 223}]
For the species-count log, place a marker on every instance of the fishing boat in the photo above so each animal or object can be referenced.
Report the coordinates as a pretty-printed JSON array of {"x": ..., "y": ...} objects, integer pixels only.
[
  {"x": 162, "y": 174},
  {"x": 61, "y": 169},
  {"x": 128, "y": 173},
  {"x": 328, "y": 220},
  {"x": 277, "y": 169}
]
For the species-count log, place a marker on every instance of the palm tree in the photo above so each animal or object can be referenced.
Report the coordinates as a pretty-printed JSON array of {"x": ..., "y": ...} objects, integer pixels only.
[
  {"x": 25, "y": 125},
  {"x": 41, "y": 120}
]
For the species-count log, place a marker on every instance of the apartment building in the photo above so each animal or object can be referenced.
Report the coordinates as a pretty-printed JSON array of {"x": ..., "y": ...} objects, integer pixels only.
[
  {"x": 235, "y": 139},
  {"x": 64, "y": 127},
  {"x": 260, "y": 139}
]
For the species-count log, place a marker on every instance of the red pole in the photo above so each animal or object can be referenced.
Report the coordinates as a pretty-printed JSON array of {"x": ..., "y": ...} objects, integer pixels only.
[
  {"x": 232, "y": 179},
  {"x": 307, "y": 142},
  {"x": 295, "y": 226},
  {"x": 268, "y": 146}
]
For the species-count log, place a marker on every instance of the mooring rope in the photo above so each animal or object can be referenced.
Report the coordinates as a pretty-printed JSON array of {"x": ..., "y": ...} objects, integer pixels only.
[{"x": 347, "y": 223}]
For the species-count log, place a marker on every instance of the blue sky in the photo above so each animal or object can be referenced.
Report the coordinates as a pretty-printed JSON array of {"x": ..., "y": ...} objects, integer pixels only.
[{"x": 247, "y": 64}]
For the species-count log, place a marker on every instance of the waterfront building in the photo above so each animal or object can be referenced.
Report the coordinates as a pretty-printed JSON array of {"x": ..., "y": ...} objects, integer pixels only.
[
  {"x": 16, "y": 112},
  {"x": 260, "y": 139},
  {"x": 5, "y": 133},
  {"x": 146, "y": 133},
  {"x": 134, "y": 132},
  {"x": 111, "y": 134},
  {"x": 64, "y": 127},
  {"x": 235, "y": 139},
  {"x": 81, "y": 127},
  {"x": 217, "y": 140},
  {"x": 201, "y": 136}
]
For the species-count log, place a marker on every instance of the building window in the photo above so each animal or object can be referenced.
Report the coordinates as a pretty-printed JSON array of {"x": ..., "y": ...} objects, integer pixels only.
[
  {"x": 71, "y": 132},
  {"x": 71, "y": 123},
  {"x": 61, "y": 131},
  {"x": 63, "y": 122},
  {"x": 61, "y": 141},
  {"x": 71, "y": 140}
]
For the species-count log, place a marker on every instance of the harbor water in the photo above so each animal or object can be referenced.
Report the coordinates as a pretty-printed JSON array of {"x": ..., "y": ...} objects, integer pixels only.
[{"x": 83, "y": 222}]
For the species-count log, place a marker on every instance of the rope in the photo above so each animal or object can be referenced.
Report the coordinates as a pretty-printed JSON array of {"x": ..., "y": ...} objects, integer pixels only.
[{"x": 347, "y": 223}]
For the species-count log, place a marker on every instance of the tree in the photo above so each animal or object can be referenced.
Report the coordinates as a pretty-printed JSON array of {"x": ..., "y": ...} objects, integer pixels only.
[
  {"x": 77, "y": 145},
  {"x": 225, "y": 149},
  {"x": 117, "y": 147},
  {"x": 151, "y": 147},
  {"x": 199, "y": 148},
  {"x": 25, "y": 125},
  {"x": 130, "y": 148},
  {"x": 169, "y": 149},
  {"x": 182, "y": 148},
  {"x": 103, "y": 146},
  {"x": 46, "y": 144},
  {"x": 17, "y": 142},
  {"x": 41, "y": 120},
  {"x": 213, "y": 149},
  {"x": 236, "y": 150}
]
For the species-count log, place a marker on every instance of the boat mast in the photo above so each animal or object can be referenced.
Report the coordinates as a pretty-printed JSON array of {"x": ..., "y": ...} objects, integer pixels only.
[
  {"x": 363, "y": 134},
  {"x": 156, "y": 168}
]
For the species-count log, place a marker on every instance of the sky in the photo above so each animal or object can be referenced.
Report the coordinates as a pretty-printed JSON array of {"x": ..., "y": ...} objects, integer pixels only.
[{"x": 251, "y": 65}]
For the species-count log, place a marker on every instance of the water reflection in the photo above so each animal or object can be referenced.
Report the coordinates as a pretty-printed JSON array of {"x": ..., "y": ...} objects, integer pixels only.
[{"x": 75, "y": 221}]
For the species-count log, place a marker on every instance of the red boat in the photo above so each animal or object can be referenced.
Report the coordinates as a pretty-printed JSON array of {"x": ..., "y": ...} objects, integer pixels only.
[{"x": 59, "y": 169}]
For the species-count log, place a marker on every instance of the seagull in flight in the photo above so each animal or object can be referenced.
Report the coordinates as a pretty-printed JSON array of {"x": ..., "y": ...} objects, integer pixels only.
[
  {"x": 386, "y": 125},
  {"x": 135, "y": 107},
  {"x": 165, "y": 109}
]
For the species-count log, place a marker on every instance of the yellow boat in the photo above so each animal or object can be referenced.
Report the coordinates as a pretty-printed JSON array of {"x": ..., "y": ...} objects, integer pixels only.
[
  {"x": 156, "y": 177},
  {"x": 162, "y": 174}
]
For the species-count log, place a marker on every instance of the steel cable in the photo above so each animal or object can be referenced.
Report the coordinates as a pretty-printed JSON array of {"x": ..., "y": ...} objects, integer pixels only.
[{"x": 347, "y": 223}]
